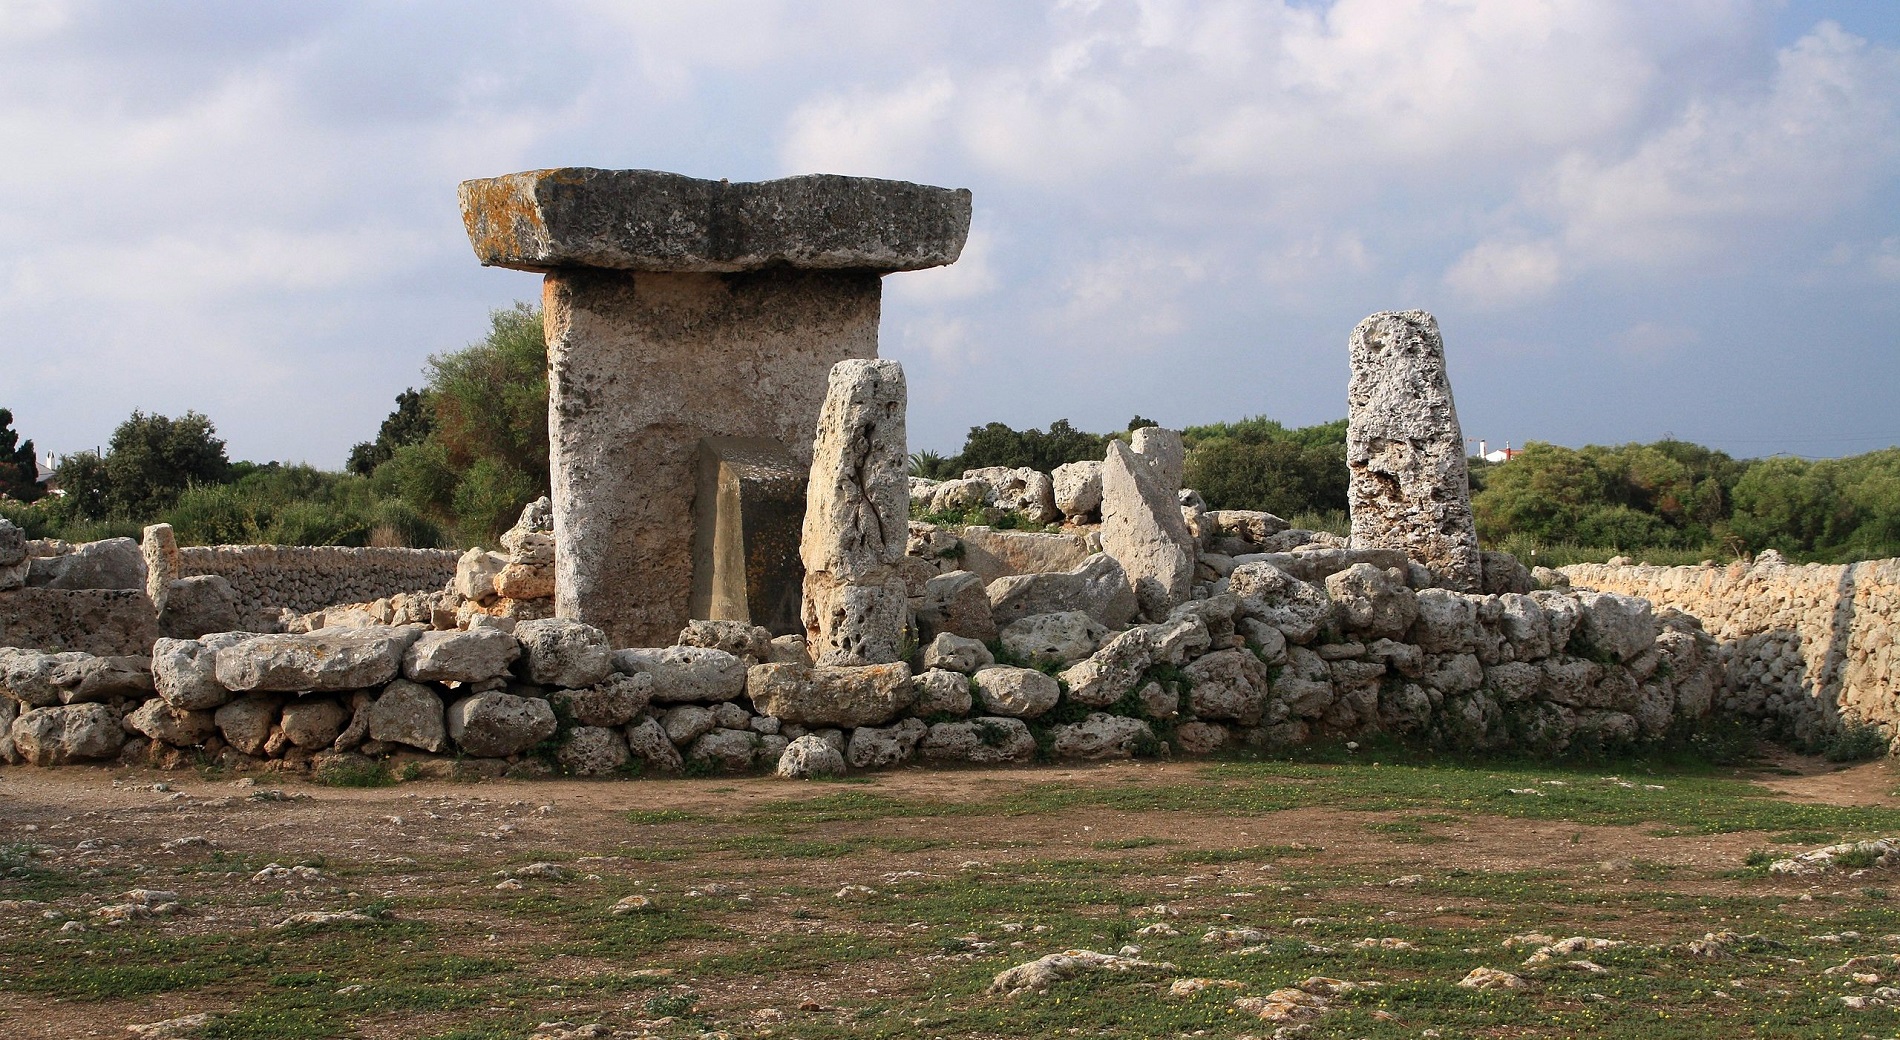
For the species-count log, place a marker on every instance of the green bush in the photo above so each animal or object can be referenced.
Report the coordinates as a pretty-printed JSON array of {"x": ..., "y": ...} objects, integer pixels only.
[{"x": 1857, "y": 742}]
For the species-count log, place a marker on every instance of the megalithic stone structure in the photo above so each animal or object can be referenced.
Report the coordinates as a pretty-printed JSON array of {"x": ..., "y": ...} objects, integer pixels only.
[
  {"x": 1409, "y": 485},
  {"x": 680, "y": 309},
  {"x": 857, "y": 519}
]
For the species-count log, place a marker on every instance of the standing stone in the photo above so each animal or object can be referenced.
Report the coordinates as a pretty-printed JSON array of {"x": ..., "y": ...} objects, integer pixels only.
[
  {"x": 13, "y": 562},
  {"x": 857, "y": 518},
  {"x": 679, "y": 309},
  {"x": 1405, "y": 451},
  {"x": 160, "y": 548},
  {"x": 1164, "y": 453},
  {"x": 1143, "y": 530}
]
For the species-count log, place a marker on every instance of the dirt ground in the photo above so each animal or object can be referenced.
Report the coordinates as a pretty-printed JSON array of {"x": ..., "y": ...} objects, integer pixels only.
[{"x": 435, "y": 852}]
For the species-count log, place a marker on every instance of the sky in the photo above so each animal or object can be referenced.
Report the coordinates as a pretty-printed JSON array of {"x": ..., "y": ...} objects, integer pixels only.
[{"x": 1631, "y": 219}]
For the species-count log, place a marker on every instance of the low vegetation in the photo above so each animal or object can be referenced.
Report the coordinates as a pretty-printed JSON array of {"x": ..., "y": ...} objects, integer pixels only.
[{"x": 884, "y": 907}]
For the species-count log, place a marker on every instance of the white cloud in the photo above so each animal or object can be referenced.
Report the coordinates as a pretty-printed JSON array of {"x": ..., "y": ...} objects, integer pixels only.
[
  {"x": 1503, "y": 274},
  {"x": 868, "y": 134}
]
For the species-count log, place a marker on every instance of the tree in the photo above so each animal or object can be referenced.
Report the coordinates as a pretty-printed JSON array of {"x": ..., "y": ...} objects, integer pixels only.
[
  {"x": 1257, "y": 463},
  {"x": 996, "y": 444},
  {"x": 149, "y": 462},
  {"x": 485, "y": 453},
  {"x": 19, "y": 466},
  {"x": 412, "y": 421}
]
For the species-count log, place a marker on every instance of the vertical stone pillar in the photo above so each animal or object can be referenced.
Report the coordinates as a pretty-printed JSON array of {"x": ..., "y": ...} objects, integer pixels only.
[
  {"x": 160, "y": 549},
  {"x": 1409, "y": 488},
  {"x": 857, "y": 518},
  {"x": 677, "y": 310}
]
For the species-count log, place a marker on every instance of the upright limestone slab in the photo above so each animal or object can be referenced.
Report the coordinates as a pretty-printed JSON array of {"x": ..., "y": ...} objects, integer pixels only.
[
  {"x": 1409, "y": 486},
  {"x": 1143, "y": 530},
  {"x": 857, "y": 518},
  {"x": 680, "y": 309}
]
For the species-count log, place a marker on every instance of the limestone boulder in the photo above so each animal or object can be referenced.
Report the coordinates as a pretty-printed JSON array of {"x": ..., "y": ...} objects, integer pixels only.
[
  {"x": 68, "y": 733},
  {"x": 525, "y": 581},
  {"x": 1502, "y": 573},
  {"x": 614, "y": 702},
  {"x": 686, "y": 674},
  {"x": 313, "y": 723},
  {"x": 1201, "y": 738},
  {"x": 593, "y": 751},
  {"x": 327, "y": 659},
  {"x": 1102, "y": 736},
  {"x": 738, "y": 638},
  {"x": 1523, "y": 624},
  {"x": 1077, "y": 489},
  {"x": 956, "y": 603},
  {"x": 809, "y": 757},
  {"x": 198, "y": 605},
  {"x": 732, "y": 750},
  {"x": 821, "y": 695},
  {"x": 1229, "y": 685},
  {"x": 1372, "y": 603},
  {"x": 1053, "y": 639},
  {"x": 471, "y": 656},
  {"x": 496, "y": 724},
  {"x": 1022, "y": 693},
  {"x": 409, "y": 713},
  {"x": 246, "y": 722},
  {"x": 958, "y": 496},
  {"x": 559, "y": 652},
  {"x": 107, "y": 622},
  {"x": 687, "y": 723},
  {"x": 879, "y": 747},
  {"x": 986, "y": 740},
  {"x": 475, "y": 574},
  {"x": 100, "y": 679},
  {"x": 1098, "y": 587},
  {"x": 993, "y": 553},
  {"x": 957, "y": 654},
  {"x": 1305, "y": 685},
  {"x": 114, "y": 563},
  {"x": 27, "y": 675},
  {"x": 941, "y": 692},
  {"x": 1623, "y": 627},
  {"x": 184, "y": 673},
  {"x": 1248, "y": 525},
  {"x": 12, "y": 543},
  {"x": 1316, "y": 563},
  {"x": 1270, "y": 595},
  {"x": 1024, "y": 492},
  {"x": 647, "y": 741},
  {"x": 1446, "y": 622},
  {"x": 1115, "y": 669},
  {"x": 1143, "y": 530},
  {"x": 160, "y": 721}
]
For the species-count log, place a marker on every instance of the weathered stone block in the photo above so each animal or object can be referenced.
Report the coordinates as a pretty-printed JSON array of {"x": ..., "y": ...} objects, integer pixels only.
[
  {"x": 1409, "y": 488},
  {"x": 107, "y": 622},
  {"x": 647, "y": 220}
]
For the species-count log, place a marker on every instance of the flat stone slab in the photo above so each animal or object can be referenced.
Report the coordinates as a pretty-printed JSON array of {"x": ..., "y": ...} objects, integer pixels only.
[{"x": 648, "y": 220}]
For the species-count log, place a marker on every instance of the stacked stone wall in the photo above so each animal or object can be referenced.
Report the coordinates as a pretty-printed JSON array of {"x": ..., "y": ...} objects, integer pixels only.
[
  {"x": 1806, "y": 647},
  {"x": 308, "y": 578}
]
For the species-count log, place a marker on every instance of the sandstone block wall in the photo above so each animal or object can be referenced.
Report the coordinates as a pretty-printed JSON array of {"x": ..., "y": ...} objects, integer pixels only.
[
  {"x": 309, "y": 578},
  {"x": 1804, "y": 645}
]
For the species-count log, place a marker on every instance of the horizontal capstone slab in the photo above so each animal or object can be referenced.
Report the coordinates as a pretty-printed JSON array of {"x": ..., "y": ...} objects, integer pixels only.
[{"x": 647, "y": 220}]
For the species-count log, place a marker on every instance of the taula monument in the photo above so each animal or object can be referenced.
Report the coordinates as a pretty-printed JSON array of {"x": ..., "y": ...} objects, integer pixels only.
[{"x": 692, "y": 325}]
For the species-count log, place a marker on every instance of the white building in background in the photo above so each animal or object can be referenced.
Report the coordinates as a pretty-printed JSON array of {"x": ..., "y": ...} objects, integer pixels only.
[{"x": 1504, "y": 454}]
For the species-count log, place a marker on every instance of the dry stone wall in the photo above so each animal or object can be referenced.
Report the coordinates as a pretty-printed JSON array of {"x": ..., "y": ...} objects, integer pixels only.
[
  {"x": 1805, "y": 647},
  {"x": 309, "y": 578}
]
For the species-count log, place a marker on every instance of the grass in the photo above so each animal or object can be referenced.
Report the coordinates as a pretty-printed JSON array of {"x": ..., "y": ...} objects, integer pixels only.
[{"x": 966, "y": 887}]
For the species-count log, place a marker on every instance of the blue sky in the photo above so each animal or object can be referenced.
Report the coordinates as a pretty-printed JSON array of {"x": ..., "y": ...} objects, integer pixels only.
[{"x": 1632, "y": 219}]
